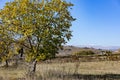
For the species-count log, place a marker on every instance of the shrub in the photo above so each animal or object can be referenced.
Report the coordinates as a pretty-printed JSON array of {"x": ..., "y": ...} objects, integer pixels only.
[{"x": 84, "y": 52}]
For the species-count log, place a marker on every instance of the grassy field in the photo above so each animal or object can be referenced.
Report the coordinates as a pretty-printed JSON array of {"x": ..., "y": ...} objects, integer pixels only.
[{"x": 104, "y": 70}]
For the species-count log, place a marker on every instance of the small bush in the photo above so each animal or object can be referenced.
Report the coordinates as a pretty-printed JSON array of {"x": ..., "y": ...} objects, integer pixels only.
[{"x": 84, "y": 52}]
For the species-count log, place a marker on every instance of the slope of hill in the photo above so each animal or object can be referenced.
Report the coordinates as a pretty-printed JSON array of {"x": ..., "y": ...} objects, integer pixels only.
[{"x": 69, "y": 50}]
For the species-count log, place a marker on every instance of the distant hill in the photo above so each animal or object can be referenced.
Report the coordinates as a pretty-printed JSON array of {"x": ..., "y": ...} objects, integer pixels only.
[
  {"x": 113, "y": 48},
  {"x": 68, "y": 50}
]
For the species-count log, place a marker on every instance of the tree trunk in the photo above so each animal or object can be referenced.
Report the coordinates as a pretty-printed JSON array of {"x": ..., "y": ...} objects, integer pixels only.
[
  {"x": 32, "y": 67},
  {"x": 6, "y": 63},
  {"x": 21, "y": 52},
  {"x": 31, "y": 70}
]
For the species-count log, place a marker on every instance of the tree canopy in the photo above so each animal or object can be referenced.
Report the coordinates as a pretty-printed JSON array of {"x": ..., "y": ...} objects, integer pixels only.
[{"x": 41, "y": 26}]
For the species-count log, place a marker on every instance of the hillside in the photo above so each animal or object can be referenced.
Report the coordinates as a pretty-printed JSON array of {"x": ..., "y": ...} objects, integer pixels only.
[{"x": 69, "y": 50}]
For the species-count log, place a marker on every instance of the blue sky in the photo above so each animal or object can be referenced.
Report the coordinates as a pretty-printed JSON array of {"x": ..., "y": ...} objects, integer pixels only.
[{"x": 98, "y": 22}]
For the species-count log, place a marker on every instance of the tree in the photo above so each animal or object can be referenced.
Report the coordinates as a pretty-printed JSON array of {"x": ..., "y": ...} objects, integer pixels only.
[
  {"x": 42, "y": 26},
  {"x": 6, "y": 44}
]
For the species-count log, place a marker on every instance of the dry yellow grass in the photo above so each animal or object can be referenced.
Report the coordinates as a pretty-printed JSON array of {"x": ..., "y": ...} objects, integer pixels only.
[
  {"x": 56, "y": 71},
  {"x": 102, "y": 67},
  {"x": 11, "y": 74}
]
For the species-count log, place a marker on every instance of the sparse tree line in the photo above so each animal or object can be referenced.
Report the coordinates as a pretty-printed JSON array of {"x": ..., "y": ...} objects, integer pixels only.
[
  {"x": 35, "y": 29},
  {"x": 97, "y": 54},
  {"x": 92, "y": 51}
]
